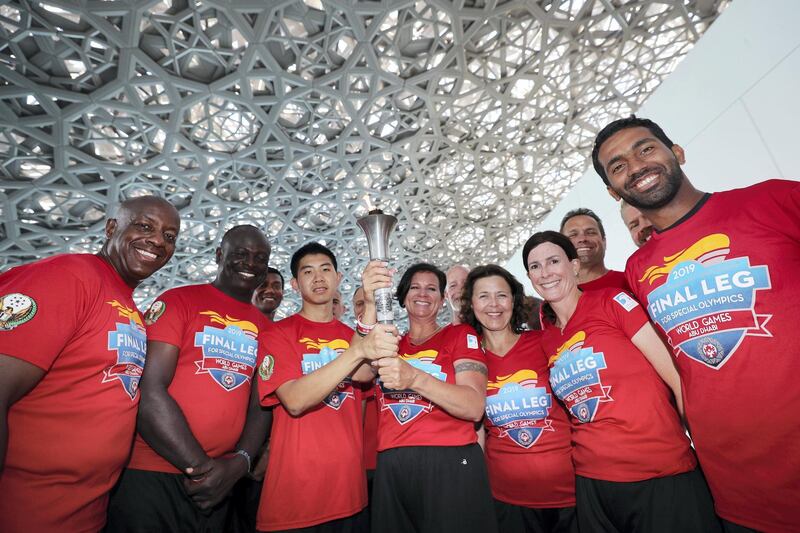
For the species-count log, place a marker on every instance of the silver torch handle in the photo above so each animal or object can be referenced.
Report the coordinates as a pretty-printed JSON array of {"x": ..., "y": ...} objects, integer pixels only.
[{"x": 377, "y": 227}]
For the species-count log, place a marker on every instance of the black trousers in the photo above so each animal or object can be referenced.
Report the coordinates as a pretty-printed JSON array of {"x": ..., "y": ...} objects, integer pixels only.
[
  {"x": 144, "y": 502},
  {"x": 518, "y": 519},
  {"x": 667, "y": 504},
  {"x": 432, "y": 489}
]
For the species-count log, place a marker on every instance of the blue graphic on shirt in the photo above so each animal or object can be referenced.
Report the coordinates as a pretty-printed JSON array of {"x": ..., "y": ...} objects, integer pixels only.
[
  {"x": 229, "y": 355},
  {"x": 407, "y": 405},
  {"x": 314, "y": 361},
  {"x": 575, "y": 379},
  {"x": 707, "y": 310},
  {"x": 521, "y": 412},
  {"x": 129, "y": 341}
]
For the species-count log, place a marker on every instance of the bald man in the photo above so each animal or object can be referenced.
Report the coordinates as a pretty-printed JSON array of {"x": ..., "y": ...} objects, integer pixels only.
[
  {"x": 72, "y": 348},
  {"x": 456, "y": 276}
]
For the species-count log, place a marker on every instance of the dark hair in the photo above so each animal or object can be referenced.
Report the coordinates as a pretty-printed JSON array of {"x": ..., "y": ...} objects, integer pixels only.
[
  {"x": 517, "y": 293},
  {"x": 624, "y": 123},
  {"x": 311, "y": 249},
  {"x": 271, "y": 270},
  {"x": 583, "y": 212},
  {"x": 554, "y": 237},
  {"x": 559, "y": 240},
  {"x": 405, "y": 281}
]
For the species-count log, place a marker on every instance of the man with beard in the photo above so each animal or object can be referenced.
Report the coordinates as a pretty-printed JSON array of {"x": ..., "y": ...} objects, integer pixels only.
[
  {"x": 269, "y": 295},
  {"x": 193, "y": 443},
  {"x": 719, "y": 277},
  {"x": 640, "y": 228},
  {"x": 455, "y": 276},
  {"x": 73, "y": 348},
  {"x": 585, "y": 230}
]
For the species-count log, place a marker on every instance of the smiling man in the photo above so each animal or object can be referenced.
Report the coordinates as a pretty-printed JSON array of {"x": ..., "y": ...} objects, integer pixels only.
[
  {"x": 269, "y": 295},
  {"x": 585, "y": 229},
  {"x": 315, "y": 477},
  {"x": 455, "y": 278},
  {"x": 192, "y": 443},
  {"x": 640, "y": 228},
  {"x": 719, "y": 277},
  {"x": 72, "y": 348}
]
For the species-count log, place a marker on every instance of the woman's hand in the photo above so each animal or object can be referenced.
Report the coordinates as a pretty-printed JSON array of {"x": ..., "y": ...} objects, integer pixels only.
[{"x": 396, "y": 374}]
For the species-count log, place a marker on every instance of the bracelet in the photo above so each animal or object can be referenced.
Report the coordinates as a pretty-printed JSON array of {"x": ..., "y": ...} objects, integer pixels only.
[
  {"x": 246, "y": 456},
  {"x": 363, "y": 329}
]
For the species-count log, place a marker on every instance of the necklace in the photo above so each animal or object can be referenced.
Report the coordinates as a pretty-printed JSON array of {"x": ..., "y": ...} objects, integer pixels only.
[{"x": 422, "y": 340}]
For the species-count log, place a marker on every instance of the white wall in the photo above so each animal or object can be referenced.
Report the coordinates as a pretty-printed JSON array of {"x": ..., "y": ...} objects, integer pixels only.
[{"x": 733, "y": 104}]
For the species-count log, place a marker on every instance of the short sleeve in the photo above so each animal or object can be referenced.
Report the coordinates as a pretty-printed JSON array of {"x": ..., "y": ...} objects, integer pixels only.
[
  {"x": 166, "y": 319},
  {"x": 43, "y": 305},
  {"x": 626, "y": 312},
  {"x": 464, "y": 344},
  {"x": 279, "y": 364}
]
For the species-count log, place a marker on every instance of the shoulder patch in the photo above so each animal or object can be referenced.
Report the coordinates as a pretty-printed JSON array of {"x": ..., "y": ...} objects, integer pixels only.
[
  {"x": 625, "y": 301},
  {"x": 472, "y": 341},
  {"x": 16, "y": 309},
  {"x": 266, "y": 368},
  {"x": 155, "y": 311}
]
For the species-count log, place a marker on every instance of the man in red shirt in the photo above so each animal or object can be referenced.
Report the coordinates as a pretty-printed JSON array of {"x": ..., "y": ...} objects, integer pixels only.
[
  {"x": 719, "y": 277},
  {"x": 315, "y": 478},
  {"x": 585, "y": 229},
  {"x": 72, "y": 348},
  {"x": 196, "y": 435}
]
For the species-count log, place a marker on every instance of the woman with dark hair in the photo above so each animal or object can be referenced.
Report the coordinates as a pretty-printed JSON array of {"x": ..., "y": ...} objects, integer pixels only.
[
  {"x": 431, "y": 475},
  {"x": 528, "y": 447},
  {"x": 635, "y": 470}
]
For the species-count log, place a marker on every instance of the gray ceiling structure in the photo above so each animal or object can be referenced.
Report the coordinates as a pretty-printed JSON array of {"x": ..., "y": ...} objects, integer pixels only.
[{"x": 469, "y": 120}]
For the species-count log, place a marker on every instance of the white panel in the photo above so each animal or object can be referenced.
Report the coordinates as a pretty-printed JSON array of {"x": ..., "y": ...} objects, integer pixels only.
[
  {"x": 775, "y": 107},
  {"x": 728, "y": 154}
]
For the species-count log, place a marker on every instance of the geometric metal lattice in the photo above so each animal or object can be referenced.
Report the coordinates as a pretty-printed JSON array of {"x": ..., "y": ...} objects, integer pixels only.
[{"x": 469, "y": 120}]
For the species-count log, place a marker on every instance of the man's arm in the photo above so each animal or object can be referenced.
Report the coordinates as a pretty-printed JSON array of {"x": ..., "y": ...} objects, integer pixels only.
[
  {"x": 17, "y": 378},
  {"x": 299, "y": 395},
  {"x": 209, "y": 490},
  {"x": 161, "y": 422}
]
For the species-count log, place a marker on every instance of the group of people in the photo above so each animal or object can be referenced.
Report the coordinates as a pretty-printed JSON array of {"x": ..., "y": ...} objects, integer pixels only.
[{"x": 634, "y": 402}]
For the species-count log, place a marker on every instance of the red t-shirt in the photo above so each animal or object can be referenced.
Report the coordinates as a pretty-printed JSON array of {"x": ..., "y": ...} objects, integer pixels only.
[
  {"x": 624, "y": 424},
  {"x": 407, "y": 418},
  {"x": 613, "y": 279},
  {"x": 218, "y": 338},
  {"x": 724, "y": 284},
  {"x": 528, "y": 445},
  {"x": 69, "y": 437},
  {"x": 315, "y": 472}
]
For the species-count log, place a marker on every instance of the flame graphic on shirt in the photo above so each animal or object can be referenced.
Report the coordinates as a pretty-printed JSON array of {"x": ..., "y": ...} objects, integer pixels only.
[
  {"x": 249, "y": 329},
  {"x": 525, "y": 377},
  {"x": 574, "y": 343},
  {"x": 335, "y": 344},
  {"x": 711, "y": 248},
  {"x": 426, "y": 356},
  {"x": 127, "y": 312}
]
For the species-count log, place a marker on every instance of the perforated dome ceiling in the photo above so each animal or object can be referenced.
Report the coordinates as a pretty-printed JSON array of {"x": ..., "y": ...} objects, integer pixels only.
[{"x": 469, "y": 120}]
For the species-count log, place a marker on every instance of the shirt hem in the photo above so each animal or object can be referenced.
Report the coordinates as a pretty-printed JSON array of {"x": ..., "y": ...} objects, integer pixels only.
[
  {"x": 537, "y": 505},
  {"x": 280, "y": 526}
]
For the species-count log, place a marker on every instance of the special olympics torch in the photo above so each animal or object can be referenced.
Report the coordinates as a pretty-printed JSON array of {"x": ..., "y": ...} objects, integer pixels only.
[{"x": 377, "y": 227}]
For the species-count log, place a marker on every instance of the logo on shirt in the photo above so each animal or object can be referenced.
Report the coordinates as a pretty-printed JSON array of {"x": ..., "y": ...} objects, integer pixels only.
[
  {"x": 229, "y": 353},
  {"x": 706, "y": 305},
  {"x": 267, "y": 367},
  {"x": 16, "y": 309},
  {"x": 406, "y": 405},
  {"x": 328, "y": 351},
  {"x": 155, "y": 311},
  {"x": 129, "y": 341},
  {"x": 625, "y": 301},
  {"x": 519, "y": 408},
  {"x": 575, "y": 378}
]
